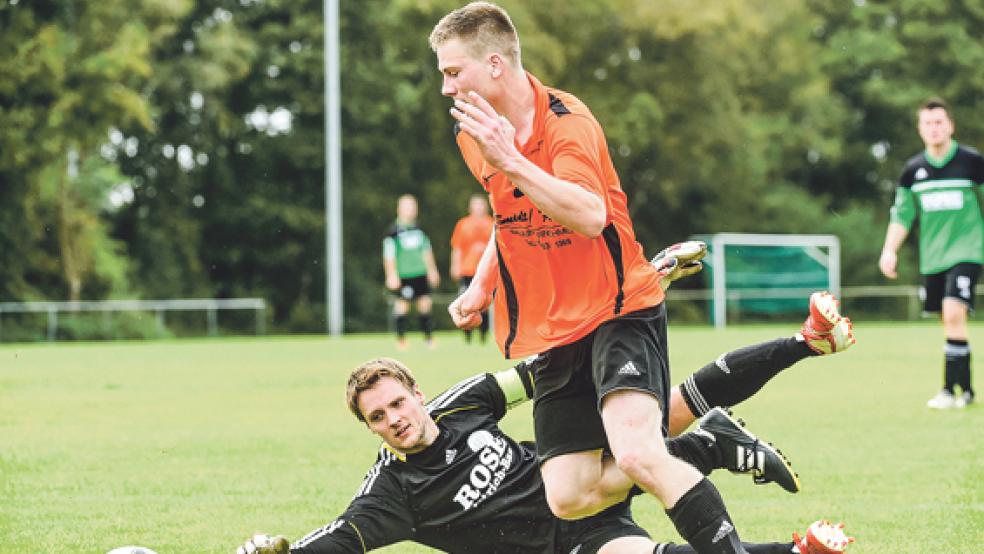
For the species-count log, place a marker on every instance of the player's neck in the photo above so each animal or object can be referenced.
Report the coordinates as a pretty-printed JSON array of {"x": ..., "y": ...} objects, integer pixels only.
[
  {"x": 518, "y": 105},
  {"x": 938, "y": 151}
]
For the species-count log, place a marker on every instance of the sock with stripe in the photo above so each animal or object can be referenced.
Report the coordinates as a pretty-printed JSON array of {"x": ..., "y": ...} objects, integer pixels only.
[
  {"x": 702, "y": 520},
  {"x": 957, "y": 364},
  {"x": 737, "y": 375}
]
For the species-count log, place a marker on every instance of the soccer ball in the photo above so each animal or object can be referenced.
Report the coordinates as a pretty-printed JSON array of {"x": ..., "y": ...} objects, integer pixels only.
[{"x": 131, "y": 550}]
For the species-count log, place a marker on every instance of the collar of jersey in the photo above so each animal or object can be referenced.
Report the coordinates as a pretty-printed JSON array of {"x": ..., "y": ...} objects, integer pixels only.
[{"x": 940, "y": 162}]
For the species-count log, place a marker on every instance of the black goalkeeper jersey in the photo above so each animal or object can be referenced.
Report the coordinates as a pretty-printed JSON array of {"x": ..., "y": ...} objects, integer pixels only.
[{"x": 474, "y": 490}]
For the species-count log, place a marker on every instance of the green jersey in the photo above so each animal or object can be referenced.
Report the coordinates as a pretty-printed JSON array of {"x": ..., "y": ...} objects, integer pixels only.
[
  {"x": 942, "y": 195},
  {"x": 407, "y": 244}
]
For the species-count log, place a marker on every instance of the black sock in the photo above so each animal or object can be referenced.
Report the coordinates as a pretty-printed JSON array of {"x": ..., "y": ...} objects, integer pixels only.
[
  {"x": 401, "y": 326},
  {"x": 750, "y": 547},
  {"x": 957, "y": 353},
  {"x": 739, "y": 374},
  {"x": 702, "y": 520},
  {"x": 426, "y": 325},
  {"x": 468, "y": 335},
  {"x": 696, "y": 451},
  {"x": 483, "y": 327}
]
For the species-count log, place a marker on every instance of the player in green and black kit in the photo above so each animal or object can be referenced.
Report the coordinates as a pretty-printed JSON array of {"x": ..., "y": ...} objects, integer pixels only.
[
  {"x": 410, "y": 269},
  {"x": 939, "y": 187}
]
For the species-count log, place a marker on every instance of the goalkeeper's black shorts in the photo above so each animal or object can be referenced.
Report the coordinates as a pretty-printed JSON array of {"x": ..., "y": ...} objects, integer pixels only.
[
  {"x": 628, "y": 352},
  {"x": 588, "y": 535}
]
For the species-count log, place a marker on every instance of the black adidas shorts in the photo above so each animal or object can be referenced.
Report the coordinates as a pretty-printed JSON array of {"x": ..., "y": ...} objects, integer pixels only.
[
  {"x": 588, "y": 535},
  {"x": 957, "y": 282},
  {"x": 628, "y": 352}
]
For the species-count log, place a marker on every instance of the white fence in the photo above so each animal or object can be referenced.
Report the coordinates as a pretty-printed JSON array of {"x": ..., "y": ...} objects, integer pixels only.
[{"x": 210, "y": 306}]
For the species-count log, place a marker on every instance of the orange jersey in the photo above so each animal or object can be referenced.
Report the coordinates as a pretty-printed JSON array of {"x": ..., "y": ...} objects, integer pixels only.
[
  {"x": 556, "y": 286},
  {"x": 470, "y": 236}
]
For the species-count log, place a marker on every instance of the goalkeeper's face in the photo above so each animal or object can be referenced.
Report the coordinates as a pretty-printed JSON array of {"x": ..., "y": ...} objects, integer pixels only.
[{"x": 398, "y": 416}]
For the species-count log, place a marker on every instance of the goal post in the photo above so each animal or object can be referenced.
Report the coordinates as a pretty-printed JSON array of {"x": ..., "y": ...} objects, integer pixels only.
[{"x": 769, "y": 273}]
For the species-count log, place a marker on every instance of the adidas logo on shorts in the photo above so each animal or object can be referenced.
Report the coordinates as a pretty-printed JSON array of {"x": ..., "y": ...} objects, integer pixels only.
[{"x": 629, "y": 369}]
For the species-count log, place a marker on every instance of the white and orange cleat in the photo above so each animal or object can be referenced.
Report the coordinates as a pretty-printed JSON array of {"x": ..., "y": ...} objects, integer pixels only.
[
  {"x": 825, "y": 330},
  {"x": 822, "y": 537}
]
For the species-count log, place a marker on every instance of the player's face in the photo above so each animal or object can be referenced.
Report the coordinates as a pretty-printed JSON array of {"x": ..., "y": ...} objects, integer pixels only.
[
  {"x": 935, "y": 127},
  {"x": 477, "y": 206},
  {"x": 406, "y": 209},
  {"x": 462, "y": 73},
  {"x": 398, "y": 416}
]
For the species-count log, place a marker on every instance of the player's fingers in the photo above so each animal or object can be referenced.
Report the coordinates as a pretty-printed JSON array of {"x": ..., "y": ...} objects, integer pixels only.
[
  {"x": 482, "y": 104},
  {"x": 475, "y": 113}
]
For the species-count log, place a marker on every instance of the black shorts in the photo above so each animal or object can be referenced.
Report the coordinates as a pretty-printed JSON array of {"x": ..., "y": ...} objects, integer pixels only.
[
  {"x": 628, "y": 352},
  {"x": 957, "y": 282},
  {"x": 412, "y": 288},
  {"x": 588, "y": 535}
]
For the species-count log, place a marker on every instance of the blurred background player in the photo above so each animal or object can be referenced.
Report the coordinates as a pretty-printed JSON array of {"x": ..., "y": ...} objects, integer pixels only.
[
  {"x": 468, "y": 241},
  {"x": 410, "y": 270},
  {"x": 938, "y": 187}
]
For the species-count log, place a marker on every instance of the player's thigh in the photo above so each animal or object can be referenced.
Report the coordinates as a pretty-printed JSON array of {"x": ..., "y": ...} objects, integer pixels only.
[
  {"x": 569, "y": 475},
  {"x": 633, "y": 421},
  {"x": 565, "y": 404},
  {"x": 630, "y": 361}
]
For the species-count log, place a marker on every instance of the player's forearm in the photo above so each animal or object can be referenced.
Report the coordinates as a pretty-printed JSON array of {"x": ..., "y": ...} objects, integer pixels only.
[
  {"x": 389, "y": 268},
  {"x": 894, "y": 237},
  {"x": 488, "y": 267},
  {"x": 570, "y": 205}
]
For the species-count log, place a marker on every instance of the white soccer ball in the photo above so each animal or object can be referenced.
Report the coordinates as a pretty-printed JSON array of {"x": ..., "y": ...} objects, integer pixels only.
[{"x": 131, "y": 550}]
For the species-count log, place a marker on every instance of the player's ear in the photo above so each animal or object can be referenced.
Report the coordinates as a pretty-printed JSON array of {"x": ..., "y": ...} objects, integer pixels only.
[
  {"x": 419, "y": 395},
  {"x": 496, "y": 64}
]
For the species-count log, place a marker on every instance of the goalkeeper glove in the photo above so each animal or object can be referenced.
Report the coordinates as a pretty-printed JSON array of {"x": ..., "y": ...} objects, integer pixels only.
[
  {"x": 678, "y": 261},
  {"x": 261, "y": 543}
]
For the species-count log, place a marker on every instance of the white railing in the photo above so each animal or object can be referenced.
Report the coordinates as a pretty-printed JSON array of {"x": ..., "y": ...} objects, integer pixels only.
[
  {"x": 210, "y": 306},
  {"x": 847, "y": 293}
]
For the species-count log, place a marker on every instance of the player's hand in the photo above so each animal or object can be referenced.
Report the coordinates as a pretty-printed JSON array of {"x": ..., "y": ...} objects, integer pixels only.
[
  {"x": 392, "y": 282},
  {"x": 466, "y": 310},
  {"x": 887, "y": 263},
  {"x": 495, "y": 135},
  {"x": 261, "y": 543},
  {"x": 679, "y": 261}
]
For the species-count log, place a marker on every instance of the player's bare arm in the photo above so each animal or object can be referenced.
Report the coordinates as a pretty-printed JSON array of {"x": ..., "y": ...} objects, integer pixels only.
[
  {"x": 889, "y": 259},
  {"x": 466, "y": 310},
  {"x": 569, "y": 204}
]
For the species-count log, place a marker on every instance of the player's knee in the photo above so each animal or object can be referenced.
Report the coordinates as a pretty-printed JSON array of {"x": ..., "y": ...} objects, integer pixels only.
[{"x": 639, "y": 460}]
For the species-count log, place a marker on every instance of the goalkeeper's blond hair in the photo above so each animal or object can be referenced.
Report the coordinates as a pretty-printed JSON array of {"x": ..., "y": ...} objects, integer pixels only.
[{"x": 368, "y": 374}]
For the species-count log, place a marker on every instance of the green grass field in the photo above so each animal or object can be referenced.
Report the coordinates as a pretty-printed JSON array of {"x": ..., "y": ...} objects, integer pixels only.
[{"x": 189, "y": 446}]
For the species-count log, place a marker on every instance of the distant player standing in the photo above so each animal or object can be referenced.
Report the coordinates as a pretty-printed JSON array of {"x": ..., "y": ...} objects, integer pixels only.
[
  {"x": 408, "y": 262},
  {"x": 468, "y": 241},
  {"x": 939, "y": 188}
]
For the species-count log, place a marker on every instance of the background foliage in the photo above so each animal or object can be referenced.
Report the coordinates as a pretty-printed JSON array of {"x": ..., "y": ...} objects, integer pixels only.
[{"x": 163, "y": 149}]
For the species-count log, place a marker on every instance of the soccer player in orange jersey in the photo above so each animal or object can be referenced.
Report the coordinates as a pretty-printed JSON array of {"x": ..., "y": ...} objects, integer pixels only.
[{"x": 573, "y": 286}]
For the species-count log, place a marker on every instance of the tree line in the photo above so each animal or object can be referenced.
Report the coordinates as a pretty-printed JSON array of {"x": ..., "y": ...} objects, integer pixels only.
[{"x": 175, "y": 149}]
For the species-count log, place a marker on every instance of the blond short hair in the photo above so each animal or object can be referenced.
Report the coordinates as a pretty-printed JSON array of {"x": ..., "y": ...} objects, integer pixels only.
[
  {"x": 483, "y": 27},
  {"x": 368, "y": 374}
]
